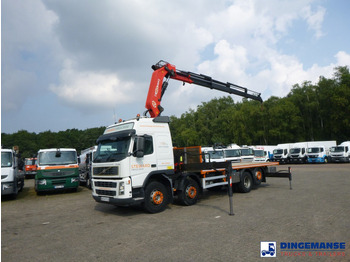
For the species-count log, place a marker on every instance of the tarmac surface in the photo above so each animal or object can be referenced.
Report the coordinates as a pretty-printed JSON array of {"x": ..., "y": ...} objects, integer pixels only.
[{"x": 73, "y": 227}]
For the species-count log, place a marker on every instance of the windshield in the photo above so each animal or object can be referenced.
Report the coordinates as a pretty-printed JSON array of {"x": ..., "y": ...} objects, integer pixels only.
[
  {"x": 30, "y": 162},
  {"x": 313, "y": 150},
  {"x": 6, "y": 159},
  {"x": 112, "y": 150},
  {"x": 216, "y": 154},
  {"x": 233, "y": 153},
  {"x": 54, "y": 158},
  {"x": 247, "y": 152},
  {"x": 278, "y": 151},
  {"x": 337, "y": 149},
  {"x": 295, "y": 151},
  {"x": 258, "y": 152}
]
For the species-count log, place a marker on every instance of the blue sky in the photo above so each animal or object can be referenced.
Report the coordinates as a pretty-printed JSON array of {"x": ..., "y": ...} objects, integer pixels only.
[{"x": 83, "y": 64}]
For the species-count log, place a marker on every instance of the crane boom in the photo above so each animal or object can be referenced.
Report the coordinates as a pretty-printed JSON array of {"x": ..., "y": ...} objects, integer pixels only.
[{"x": 164, "y": 69}]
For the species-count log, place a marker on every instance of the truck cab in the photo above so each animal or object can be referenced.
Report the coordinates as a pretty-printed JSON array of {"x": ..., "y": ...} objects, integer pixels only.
[
  {"x": 128, "y": 156},
  {"x": 57, "y": 170},
  {"x": 281, "y": 153},
  {"x": 317, "y": 154},
  {"x": 12, "y": 180},
  {"x": 340, "y": 153},
  {"x": 30, "y": 166},
  {"x": 261, "y": 156},
  {"x": 211, "y": 154},
  {"x": 233, "y": 154},
  {"x": 297, "y": 153},
  {"x": 247, "y": 154}
]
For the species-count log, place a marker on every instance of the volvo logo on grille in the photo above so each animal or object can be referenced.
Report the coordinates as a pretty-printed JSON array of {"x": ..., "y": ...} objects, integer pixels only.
[{"x": 105, "y": 171}]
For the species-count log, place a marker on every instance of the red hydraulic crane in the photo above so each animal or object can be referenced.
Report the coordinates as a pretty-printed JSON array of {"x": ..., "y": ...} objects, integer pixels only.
[{"x": 164, "y": 69}]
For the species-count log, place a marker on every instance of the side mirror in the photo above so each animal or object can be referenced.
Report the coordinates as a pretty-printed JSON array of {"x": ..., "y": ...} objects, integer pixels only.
[{"x": 140, "y": 146}]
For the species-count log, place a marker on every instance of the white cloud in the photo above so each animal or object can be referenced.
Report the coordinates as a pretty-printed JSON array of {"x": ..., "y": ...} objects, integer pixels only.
[
  {"x": 92, "y": 90},
  {"x": 343, "y": 59},
  {"x": 314, "y": 19}
]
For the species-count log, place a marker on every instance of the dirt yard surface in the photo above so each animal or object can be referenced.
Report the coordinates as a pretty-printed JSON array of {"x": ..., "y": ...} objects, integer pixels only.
[{"x": 73, "y": 227}]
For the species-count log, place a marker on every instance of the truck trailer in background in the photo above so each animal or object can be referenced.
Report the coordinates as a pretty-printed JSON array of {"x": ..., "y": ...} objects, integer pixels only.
[{"x": 85, "y": 161}]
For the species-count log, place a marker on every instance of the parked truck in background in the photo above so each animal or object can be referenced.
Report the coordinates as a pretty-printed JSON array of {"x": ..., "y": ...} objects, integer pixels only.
[
  {"x": 211, "y": 154},
  {"x": 260, "y": 156},
  {"x": 340, "y": 153},
  {"x": 12, "y": 179},
  {"x": 85, "y": 160},
  {"x": 233, "y": 153},
  {"x": 297, "y": 152},
  {"x": 281, "y": 153},
  {"x": 57, "y": 169},
  {"x": 135, "y": 162},
  {"x": 268, "y": 151},
  {"x": 319, "y": 151},
  {"x": 247, "y": 154},
  {"x": 30, "y": 166}
]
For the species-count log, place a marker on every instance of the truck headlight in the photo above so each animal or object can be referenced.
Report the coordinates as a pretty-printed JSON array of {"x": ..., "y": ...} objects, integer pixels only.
[
  {"x": 121, "y": 188},
  {"x": 42, "y": 182},
  {"x": 7, "y": 186}
]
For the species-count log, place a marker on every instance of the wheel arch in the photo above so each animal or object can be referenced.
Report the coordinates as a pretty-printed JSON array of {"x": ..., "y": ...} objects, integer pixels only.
[
  {"x": 181, "y": 180},
  {"x": 160, "y": 176}
]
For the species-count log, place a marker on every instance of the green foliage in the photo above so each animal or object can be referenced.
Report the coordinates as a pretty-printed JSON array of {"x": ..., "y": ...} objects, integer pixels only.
[
  {"x": 30, "y": 143},
  {"x": 308, "y": 113}
]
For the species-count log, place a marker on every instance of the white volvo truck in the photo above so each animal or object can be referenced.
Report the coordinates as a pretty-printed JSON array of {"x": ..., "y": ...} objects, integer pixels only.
[{"x": 135, "y": 162}]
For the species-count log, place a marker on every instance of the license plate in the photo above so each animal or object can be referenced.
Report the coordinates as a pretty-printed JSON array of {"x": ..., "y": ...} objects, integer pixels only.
[
  {"x": 105, "y": 199},
  {"x": 60, "y": 186}
]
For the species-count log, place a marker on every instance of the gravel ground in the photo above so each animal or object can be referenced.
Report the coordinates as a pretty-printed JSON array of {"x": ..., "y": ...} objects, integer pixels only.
[{"x": 73, "y": 227}]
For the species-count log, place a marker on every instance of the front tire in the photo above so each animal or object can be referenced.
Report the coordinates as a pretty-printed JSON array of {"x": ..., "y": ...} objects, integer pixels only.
[
  {"x": 156, "y": 197},
  {"x": 189, "y": 194}
]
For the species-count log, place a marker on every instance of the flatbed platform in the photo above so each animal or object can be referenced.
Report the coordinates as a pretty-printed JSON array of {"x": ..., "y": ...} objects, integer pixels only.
[{"x": 253, "y": 164}]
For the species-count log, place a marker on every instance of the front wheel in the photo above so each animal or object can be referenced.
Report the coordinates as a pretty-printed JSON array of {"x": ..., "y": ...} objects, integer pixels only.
[
  {"x": 156, "y": 197},
  {"x": 189, "y": 194}
]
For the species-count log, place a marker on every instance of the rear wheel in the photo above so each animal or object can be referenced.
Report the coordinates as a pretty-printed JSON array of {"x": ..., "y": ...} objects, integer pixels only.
[
  {"x": 189, "y": 194},
  {"x": 245, "y": 185},
  {"x": 156, "y": 197}
]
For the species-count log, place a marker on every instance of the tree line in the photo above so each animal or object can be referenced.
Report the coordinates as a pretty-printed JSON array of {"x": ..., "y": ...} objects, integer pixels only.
[{"x": 309, "y": 112}]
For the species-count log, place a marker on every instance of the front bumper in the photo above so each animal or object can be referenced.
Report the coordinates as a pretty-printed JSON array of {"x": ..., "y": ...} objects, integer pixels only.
[
  {"x": 339, "y": 159},
  {"x": 46, "y": 184},
  {"x": 118, "y": 201},
  {"x": 8, "y": 188}
]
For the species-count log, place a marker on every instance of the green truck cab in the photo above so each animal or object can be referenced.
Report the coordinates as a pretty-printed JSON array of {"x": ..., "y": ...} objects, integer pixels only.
[{"x": 57, "y": 170}]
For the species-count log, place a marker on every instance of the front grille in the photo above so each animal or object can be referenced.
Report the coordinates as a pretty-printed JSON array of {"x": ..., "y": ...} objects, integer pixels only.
[
  {"x": 106, "y": 171},
  {"x": 56, "y": 173},
  {"x": 58, "y": 181},
  {"x": 105, "y": 192},
  {"x": 105, "y": 184}
]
